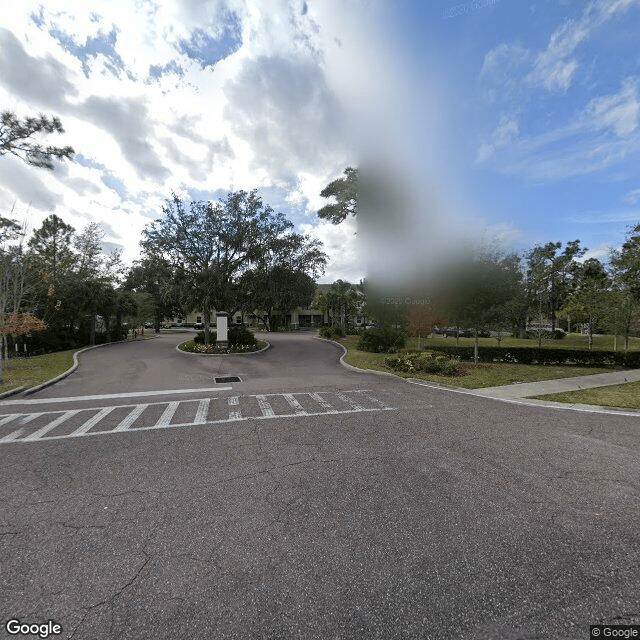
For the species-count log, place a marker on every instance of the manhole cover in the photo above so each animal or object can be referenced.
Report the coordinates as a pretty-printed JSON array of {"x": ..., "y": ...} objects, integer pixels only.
[{"x": 228, "y": 379}]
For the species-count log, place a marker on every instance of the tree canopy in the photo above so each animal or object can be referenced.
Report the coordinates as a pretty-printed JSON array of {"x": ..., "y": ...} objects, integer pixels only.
[
  {"x": 16, "y": 138},
  {"x": 211, "y": 246},
  {"x": 345, "y": 191}
]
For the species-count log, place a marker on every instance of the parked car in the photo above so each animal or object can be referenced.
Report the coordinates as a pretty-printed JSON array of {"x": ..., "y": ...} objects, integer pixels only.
[{"x": 198, "y": 325}]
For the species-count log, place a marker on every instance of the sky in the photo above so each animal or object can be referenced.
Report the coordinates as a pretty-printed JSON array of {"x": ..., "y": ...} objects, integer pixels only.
[{"x": 507, "y": 120}]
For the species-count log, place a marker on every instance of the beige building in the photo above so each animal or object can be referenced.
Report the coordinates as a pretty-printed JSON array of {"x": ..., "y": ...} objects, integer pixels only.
[{"x": 296, "y": 319}]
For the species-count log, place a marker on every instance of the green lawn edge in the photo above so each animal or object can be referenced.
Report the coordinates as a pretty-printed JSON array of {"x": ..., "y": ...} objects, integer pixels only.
[
  {"x": 30, "y": 372},
  {"x": 485, "y": 375},
  {"x": 620, "y": 396}
]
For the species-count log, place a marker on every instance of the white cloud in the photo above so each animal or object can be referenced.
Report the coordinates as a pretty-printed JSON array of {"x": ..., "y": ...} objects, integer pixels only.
[
  {"x": 632, "y": 197},
  {"x": 341, "y": 245},
  {"x": 603, "y": 134},
  {"x": 620, "y": 111},
  {"x": 554, "y": 67},
  {"x": 506, "y": 132}
]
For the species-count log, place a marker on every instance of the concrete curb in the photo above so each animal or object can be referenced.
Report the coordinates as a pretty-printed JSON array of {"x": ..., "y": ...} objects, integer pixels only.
[
  {"x": 11, "y": 392},
  {"x": 75, "y": 365},
  {"x": 351, "y": 367},
  {"x": 222, "y": 355},
  {"x": 584, "y": 408}
]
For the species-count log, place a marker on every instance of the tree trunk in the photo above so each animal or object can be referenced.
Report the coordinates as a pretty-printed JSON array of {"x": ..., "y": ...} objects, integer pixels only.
[
  {"x": 206, "y": 317},
  {"x": 92, "y": 330},
  {"x": 475, "y": 350}
]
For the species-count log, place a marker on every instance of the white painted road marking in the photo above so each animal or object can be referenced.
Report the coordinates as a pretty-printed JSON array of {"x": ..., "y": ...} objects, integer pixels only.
[
  {"x": 256, "y": 406},
  {"x": 234, "y": 415},
  {"x": 108, "y": 396},
  {"x": 165, "y": 419},
  {"x": 36, "y": 435},
  {"x": 130, "y": 419},
  {"x": 12, "y": 436},
  {"x": 203, "y": 409},
  {"x": 92, "y": 422},
  {"x": 349, "y": 401},
  {"x": 265, "y": 407},
  {"x": 294, "y": 404},
  {"x": 323, "y": 403}
]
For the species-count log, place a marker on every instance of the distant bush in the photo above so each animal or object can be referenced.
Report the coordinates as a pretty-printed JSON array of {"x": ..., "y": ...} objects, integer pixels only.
[
  {"x": 545, "y": 355},
  {"x": 556, "y": 334},
  {"x": 427, "y": 362},
  {"x": 382, "y": 340},
  {"x": 332, "y": 333}
]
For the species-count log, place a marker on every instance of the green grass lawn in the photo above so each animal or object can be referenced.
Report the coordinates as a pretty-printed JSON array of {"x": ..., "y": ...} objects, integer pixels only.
[
  {"x": 29, "y": 372},
  {"x": 622, "y": 396},
  {"x": 570, "y": 341},
  {"x": 484, "y": 375}
]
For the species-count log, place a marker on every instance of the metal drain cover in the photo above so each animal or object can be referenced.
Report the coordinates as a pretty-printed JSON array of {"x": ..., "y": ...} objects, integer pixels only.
[{"x": 228, "y": 379}]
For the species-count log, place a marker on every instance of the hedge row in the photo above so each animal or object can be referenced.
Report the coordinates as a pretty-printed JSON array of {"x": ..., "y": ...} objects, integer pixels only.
[{"x": 546, "y": 355}]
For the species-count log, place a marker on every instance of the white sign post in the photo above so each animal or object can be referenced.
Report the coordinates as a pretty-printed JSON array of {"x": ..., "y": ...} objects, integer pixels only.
[{"x": 221, "y": 330}]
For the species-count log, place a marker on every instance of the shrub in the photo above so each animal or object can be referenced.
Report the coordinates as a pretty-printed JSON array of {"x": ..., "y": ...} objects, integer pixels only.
[
  {"x": 332, "y": 333},
  {"x": 238, "y": 336},
  {"x": 426, "y": 361},
  {"x": 199, "y": 339},
  {"x": 381, "y": 340}
]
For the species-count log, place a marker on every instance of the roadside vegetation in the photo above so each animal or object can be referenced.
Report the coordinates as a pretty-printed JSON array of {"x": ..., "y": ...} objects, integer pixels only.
[
  {"x": 468, "y": 375},
  {"x": 30, "y": 372},
  {"x": 625, "y": 396}
]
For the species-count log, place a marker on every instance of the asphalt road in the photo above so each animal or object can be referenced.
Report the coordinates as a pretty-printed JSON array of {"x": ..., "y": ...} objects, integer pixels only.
[{"x": 308, "y": 501}]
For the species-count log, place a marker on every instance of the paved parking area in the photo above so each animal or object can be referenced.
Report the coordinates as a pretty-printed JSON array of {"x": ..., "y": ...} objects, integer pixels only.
[{"x": 309, "y": 501}]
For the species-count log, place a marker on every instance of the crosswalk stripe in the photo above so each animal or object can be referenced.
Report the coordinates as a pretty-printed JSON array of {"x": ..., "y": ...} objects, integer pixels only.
[
  {"x": 201, "y": 413},
  {"x": 165, "y": 419},
  {"x": 259, "y": 409},
  {"x": 294, "y": 404},
  {"x": 265, "y": 407},
  {"x": 234, "y": 415},
  {"x": 350, "y": 401},
  {"x": 12, "y": 436},
  {"x": 323, "y": 403},
  {"x": 374, "y": 400},
  {"x": 92, "y": 422},
  {"x": 130, "y": 419},
  {"x": 29, "y": 417},
  {"x": 52, "y": 425}
]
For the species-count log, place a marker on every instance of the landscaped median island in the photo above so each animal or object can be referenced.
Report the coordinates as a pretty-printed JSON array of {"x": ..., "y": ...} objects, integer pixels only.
[
  {"x": 420, "y": 358},
  {"x": 240, "y": 340}
]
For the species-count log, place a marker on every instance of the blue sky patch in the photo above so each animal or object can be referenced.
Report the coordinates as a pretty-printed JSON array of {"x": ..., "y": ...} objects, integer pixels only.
[
  {"x": 156, "y": 71},
  {"x": 208, "y": 50},
  {"x": 104, "y": 44}
]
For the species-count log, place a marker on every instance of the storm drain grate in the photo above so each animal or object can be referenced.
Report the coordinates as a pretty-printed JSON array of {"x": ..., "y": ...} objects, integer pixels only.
[{"x": 228, "y": 379}]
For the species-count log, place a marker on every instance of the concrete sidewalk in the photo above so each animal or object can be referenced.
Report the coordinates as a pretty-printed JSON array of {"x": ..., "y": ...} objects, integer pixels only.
[{"x": 559, "y": 385}]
